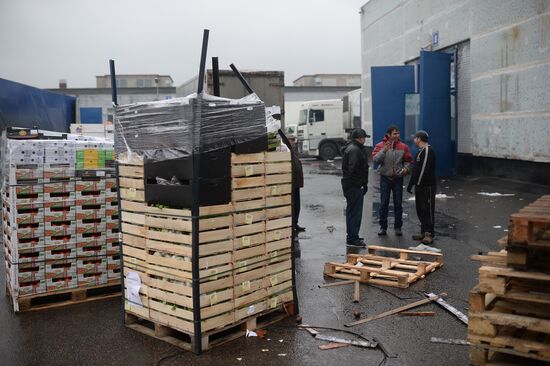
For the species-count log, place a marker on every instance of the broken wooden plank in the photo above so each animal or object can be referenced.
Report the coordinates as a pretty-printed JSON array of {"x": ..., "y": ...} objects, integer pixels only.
[
  {"x": 418, "y": 313},
  {"x": 339, "y": 283},
  {"x": 463, "y": 318},
  {"x": 397, "y": 310},
  {"x": 356, "y": 293},
  {"x": 328, "y": 346},
  {"x": 461, "y": 342}
]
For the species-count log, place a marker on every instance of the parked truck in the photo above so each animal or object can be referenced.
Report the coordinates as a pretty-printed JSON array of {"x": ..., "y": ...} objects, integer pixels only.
[{"x": 324, "y": 126}]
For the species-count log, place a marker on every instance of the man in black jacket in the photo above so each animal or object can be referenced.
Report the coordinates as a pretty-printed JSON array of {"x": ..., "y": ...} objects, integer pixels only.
[
  {"x": 355, "y": 169},
  {"x": 424, "y": 182}
]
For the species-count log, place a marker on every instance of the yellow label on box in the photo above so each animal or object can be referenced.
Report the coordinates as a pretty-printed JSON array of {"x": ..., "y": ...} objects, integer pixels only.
[
  {"x": 91, "y": 154},
  {"x": 249, "y": 170},
  {"x": 278, "y": 234},
  {"x": 273, "y": 256},
  {"x": 246, "y": 241},
  {"x": 248, "y": 218},
  {"x": 245, "y": 286},
  {"x": 274, "y": 190},
  {"x": 213, "y": 298},
  {"x": 274, "y": 280},
  {"x": 132, "y": 192},
  {"x": 242, "y": 265},
  {"x": 273, "y": 302},
  {"x": 214, "y": 275}
]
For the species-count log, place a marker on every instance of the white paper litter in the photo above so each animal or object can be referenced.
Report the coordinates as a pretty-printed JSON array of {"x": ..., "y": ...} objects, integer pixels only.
[
  {"x": 426, "y": 248},
  {"x": 442, "y": 196},
  {"x": 265, "y": 350},
  {"x": 497, "y": 227},
  {"x": 250, "y": 333},
  {"x": 359, "y": 264},
  {"x": 281, "y": 354},
  {"x": 496, "y": 194},
  {"x": 239, "y": 358},
  {"x": 280, "y": 340},
  {"x": 133, "y": 284}
]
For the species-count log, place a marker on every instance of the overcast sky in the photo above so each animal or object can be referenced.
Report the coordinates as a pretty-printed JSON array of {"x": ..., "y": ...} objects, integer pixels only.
[{"x": 42, "y": 41}]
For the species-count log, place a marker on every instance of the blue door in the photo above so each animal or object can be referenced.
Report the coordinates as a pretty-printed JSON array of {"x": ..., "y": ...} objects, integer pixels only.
[
  {"x": 435, "y": 108},
  {"x": 389, "y": 84}
]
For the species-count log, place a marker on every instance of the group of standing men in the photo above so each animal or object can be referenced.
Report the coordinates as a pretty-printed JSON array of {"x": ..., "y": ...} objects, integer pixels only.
[{"x": 394, "y": 162}]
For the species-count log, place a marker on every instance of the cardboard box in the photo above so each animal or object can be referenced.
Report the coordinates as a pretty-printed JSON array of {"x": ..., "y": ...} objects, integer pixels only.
[
  {"x": 25, "y": 217},
  {"x": 90, "y": 226},
  {"x": 29, "y": 255},
  {"x": 88, "y": 212},
  {"x": 111, "y": 208},
  {"x": 30, "y": 231},
  {"x": 31, "y": 287},
  {"x": 90, "y": 184},
  {"x": 59, "y": 186},
  {"x": 59, "y": 196},
  {"x": 61, "y": 283},
  {"x": 92, "y": 279},
  {"x": 95, "y": 249},
  {"x": 59, "y": 211},
  {"x": 91, "y": 264},
  {"x": 60, "y": 251},
  {"x": 110, "y": 183},
  {"x": 57, "y": 172},
  {"x": 21, "y": 174},
  {"x": 27, "y": 272},
  {"x": 60, "y": 228},
  {"x": 61, "y": 268},
  {"x": 113, "y": 246},
  {"x": 85, "y": 200},
  {"x": 90, "y": 237},
  {"x": 61, "y": 239}
]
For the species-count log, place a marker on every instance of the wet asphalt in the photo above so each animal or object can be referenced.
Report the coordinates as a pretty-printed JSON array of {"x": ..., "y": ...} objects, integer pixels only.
[{"x": 467, "y": 223}]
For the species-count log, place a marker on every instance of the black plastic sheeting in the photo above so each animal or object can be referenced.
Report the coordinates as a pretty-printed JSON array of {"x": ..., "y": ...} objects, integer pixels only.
[
  {"x": 25, "y": 106},
  {"x": 175, "y": 128}
]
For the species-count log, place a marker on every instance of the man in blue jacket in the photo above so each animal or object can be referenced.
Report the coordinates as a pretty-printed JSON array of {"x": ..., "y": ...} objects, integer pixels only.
[{"x": 355, "y": 172}]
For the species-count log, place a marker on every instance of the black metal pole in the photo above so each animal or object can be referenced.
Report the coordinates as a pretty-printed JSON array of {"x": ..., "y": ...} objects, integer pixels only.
[
  {"x": 113, "y": 83},
  {"x": 115, "y": 104},
  {"x": 241, "y": 79},
  {"x": 195, "y": 208},
  {"x": 200, "y": 87},
  {"x": 216, "y": 76}
]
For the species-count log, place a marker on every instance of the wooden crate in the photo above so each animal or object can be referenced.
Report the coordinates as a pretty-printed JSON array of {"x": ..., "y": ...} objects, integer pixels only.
[
  {"x": 244, "y": 248},
  {"x": 374, "y": 268},
  {"x": 278, "y": 179}
]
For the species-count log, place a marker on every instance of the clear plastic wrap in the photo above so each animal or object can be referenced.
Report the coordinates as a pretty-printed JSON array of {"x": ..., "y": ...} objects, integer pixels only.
[{"x": 174, "y": 128}]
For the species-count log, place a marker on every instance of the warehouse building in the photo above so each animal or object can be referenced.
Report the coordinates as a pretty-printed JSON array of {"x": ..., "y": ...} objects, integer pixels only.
[{"x": 475, "y": 73}]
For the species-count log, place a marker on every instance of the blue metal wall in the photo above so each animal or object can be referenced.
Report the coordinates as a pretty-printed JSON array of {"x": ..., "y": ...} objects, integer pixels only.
[
  {"x": 389, "y": 84},
  {"x": 25, "y": 106},
  {"x": 91, "y": 115}
]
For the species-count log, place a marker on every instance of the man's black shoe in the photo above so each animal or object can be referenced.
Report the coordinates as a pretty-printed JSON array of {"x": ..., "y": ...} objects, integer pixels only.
[
  {"x": 398, "y": 232},
  {"x": 300, "y": 228},
  {"x": 382, "y": 232},
  {"x": 357, "y": 244}
]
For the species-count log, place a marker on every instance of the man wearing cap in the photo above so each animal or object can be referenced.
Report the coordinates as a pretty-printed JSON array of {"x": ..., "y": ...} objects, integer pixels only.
[
  {"x": 355, "y": 177},
  {"x": 424, "y": 182},
  {"x": 395, "y": 159}
]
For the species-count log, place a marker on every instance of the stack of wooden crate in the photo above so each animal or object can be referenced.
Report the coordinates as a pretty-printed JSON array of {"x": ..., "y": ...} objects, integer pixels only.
[
  {"x": 60, "y": 246},
  {"x": 510, "y": 308},
  {"x": 244, "y": 254}
]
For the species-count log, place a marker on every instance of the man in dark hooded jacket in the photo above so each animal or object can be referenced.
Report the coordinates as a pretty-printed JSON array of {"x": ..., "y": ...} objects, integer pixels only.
[{"x": 355, "y": 177}]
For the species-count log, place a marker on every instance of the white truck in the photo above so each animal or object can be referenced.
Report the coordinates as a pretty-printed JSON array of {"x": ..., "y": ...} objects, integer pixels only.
[{"x": 324, "y": 125}]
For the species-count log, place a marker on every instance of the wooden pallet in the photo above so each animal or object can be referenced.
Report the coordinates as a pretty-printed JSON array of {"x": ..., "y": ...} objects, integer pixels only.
[
  {"x": 163, "y": 331},
  {"x": 385, "y": 270},
  {"x": 49, "y": 300},
  {"x": 531, "y": 224},
  {"x": 515, "y": 321},
  {"x": 515, "y": 285}
]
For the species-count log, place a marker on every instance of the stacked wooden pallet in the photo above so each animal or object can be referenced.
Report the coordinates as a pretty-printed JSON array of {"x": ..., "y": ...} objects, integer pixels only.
[
  {"x": 244, "y": 254},
  {"x": 510, "y": 308},
  {"x": 60, "y": 239}
]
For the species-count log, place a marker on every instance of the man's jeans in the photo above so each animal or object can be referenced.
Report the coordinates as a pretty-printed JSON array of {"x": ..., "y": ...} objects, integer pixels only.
[
  {"x": 354, "y": 213},
  {"x": 387, "y": 186}
]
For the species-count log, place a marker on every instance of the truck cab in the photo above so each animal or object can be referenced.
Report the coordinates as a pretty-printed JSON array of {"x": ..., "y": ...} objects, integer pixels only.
[{"x": 321, "y": 130}]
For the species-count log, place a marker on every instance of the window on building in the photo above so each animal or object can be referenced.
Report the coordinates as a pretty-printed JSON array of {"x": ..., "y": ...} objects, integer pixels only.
[
  {"x": 147, "y": 83},
  {"x": 316, "y": 115},
  {"x": 121, "y": 83},
  {"x": 139, "y": 83}
]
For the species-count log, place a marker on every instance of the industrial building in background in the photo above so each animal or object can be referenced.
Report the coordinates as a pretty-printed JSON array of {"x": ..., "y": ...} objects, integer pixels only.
[
  {"x": 475, "y": 74},
  {"x": 352, "y": 80}
]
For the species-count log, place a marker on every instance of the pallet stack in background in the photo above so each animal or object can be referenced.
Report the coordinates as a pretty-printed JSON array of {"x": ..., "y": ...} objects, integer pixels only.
[
  {"x": 60, "y": 221},
  {"x": 509, "y": 318},
  {"x": 244, "y": 248}
]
